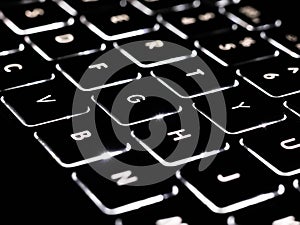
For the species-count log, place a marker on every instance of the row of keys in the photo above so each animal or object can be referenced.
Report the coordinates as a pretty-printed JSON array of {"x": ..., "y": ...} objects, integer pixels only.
[
  {"x": 42, "y": 16},
  {"x": 238, "y": 107},
  {"x": 263, "y": 82},
  {"x": 38, "y": 21},
  {"x": 71, "y": 40},
  {"x": 162, "y": 77},
  {"x": 104, "y": 33},
  {"x": 17, "y": 69}
]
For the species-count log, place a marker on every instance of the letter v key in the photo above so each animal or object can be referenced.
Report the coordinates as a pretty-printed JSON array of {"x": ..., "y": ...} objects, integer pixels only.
[{"x": 46, "y": 99}]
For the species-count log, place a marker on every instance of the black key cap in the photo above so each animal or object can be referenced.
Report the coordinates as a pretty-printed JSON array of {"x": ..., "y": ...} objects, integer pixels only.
[
  {"x": 194, "y": 77},
  {"x": 45, "y": 103},
  {"x": 286, "y": 39},
  {"x": 9, "y": 42},
  {"x": 119, "y": 22},
  {"x": 144, "y": 98},
  {"x": 65, "y": 42},
  {"x": 236, "y": 47},
  {"x": 251, "y": 15},
  {"x": 181, "y": 142},
  {"x": 75, "y": 7},
  {"x": 197, "y": 22},
  {"x": 151, "y": 7},
  {"x": 247, "y": 109},
  {"x": 231, "y": 184},
  {"x": 35, "y": 17},
  {"x": 118, "y": 194},
  {"x": 17, "y": 71},
  {"x": 72, "y": 146},
  {"x": 156, "y": 48},
  {"x": 91, "y": 72},
  {"x": 276, "y": 77},
  {"x": 284, "y": 140}
]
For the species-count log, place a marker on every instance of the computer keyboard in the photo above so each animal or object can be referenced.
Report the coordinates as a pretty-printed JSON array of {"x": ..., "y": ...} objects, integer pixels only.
[{"x": 159, "y": 112}]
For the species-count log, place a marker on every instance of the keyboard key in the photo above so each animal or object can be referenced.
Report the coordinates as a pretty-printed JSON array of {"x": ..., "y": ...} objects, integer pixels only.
[
  {"x": 194, "y": 77},
  {"x": 276, "y": 77},
  {"x": 73, "y": 143},
  {"x": 92, "y": 72},
  {"x": 44, "y": 103},
  {"x": 285, "y": 39},
  {"x": 246, "y": 108},
  {"x": 283, "y": 139},
  {"x": 66, "y": 42},
  {"x": 119, "y": 23},
  {"x": 143, "y": 99},
  {"x": 118, "y": 194},
  {"x": 231, "y": 184},
  {"x": 181, "y": 142},
  {"x": 17, "y": 71},
  {"x": 156, "y": 48},
  {"x": 251, "y": 15},
  {"x": 195, "y": 23},
  {"x": 151, "y": 7},
  {"x": 9, "y": 42},
  {"x": 236, "y": 47},
  {"x": 35, "y": 17}
]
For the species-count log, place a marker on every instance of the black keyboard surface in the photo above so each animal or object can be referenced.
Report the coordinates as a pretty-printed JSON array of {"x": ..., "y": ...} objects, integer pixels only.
[{"x": 48, "y": 57}]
